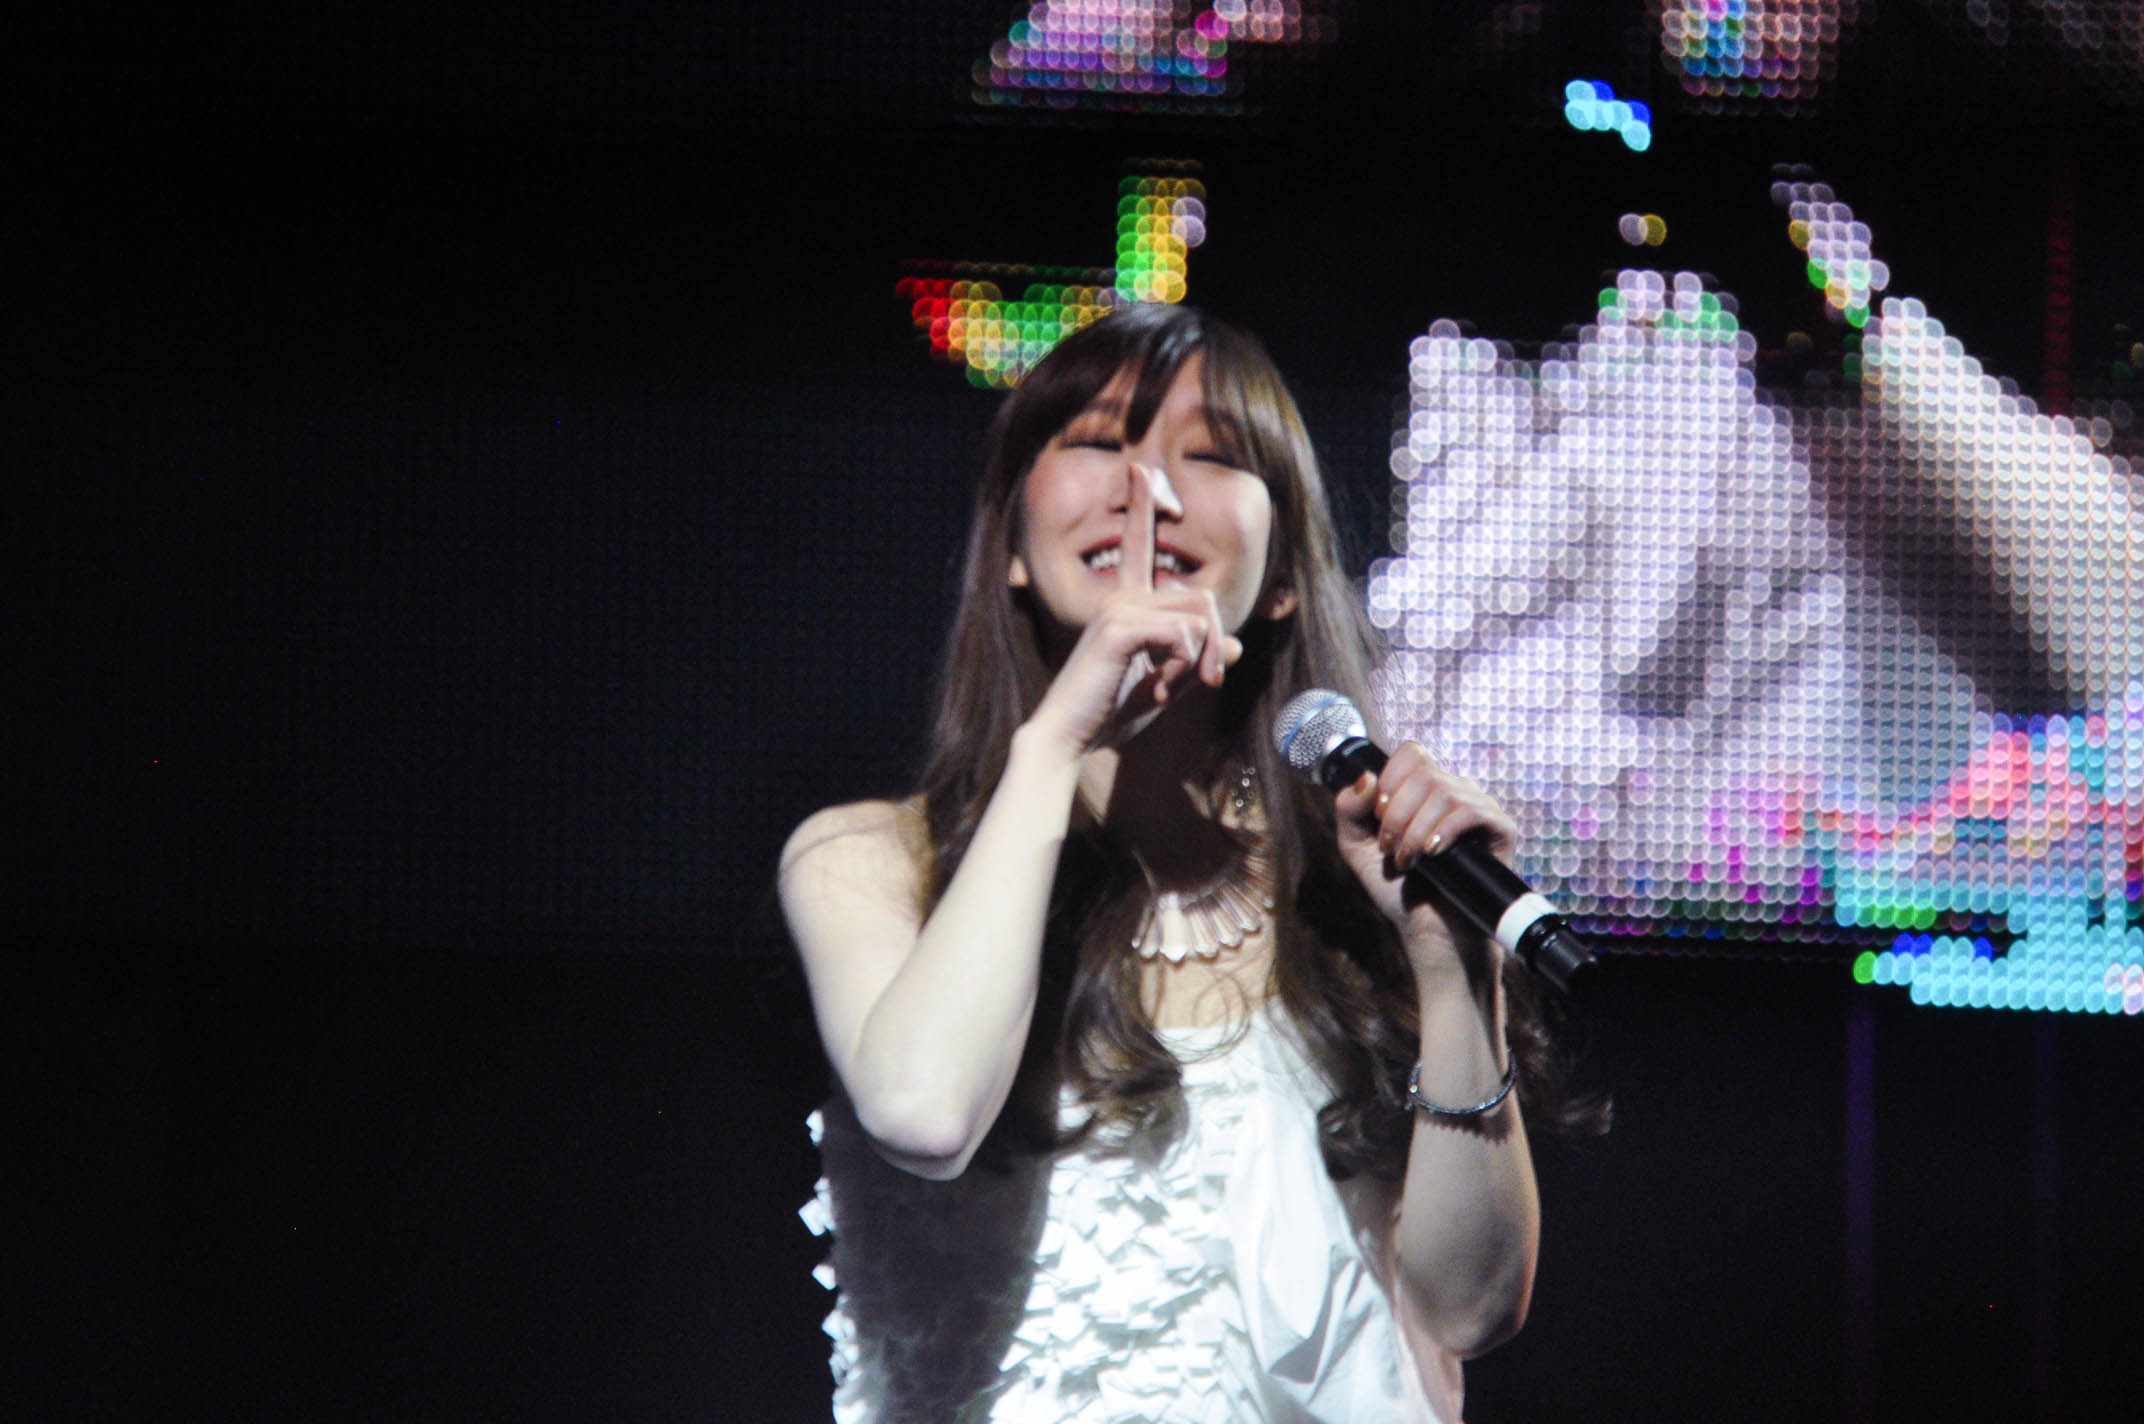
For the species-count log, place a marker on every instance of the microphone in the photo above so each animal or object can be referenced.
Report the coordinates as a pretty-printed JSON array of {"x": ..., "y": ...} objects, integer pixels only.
[{"x": 1321, "y": 735}]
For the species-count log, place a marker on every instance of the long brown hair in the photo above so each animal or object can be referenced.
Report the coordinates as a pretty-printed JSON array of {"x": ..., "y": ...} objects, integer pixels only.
[{"x": 1338, "y": 969}]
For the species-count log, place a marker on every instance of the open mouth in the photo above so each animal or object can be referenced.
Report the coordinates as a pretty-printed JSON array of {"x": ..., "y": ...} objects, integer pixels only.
[{"x": 1107, "y": 558}]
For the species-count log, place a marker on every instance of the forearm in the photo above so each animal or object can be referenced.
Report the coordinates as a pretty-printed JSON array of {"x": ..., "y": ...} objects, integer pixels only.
[
  {"x": 2051, "y": 515},
  {"x": 935, "y": 1058},
  {"x": 1469, "y": 1222}
]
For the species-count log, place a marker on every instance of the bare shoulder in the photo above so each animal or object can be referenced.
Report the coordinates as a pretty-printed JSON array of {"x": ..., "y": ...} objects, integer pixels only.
[{"x": 867, "y": 849}]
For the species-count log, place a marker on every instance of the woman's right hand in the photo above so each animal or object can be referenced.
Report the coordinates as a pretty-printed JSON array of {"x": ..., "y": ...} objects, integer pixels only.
[
  {"x": 1143, "y": 647},
  {"x": 925, "y": 1023}
]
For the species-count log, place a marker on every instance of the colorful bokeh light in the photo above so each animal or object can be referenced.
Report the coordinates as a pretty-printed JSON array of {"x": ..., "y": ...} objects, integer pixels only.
[
  {"x": 1642, "y": 229},
  {"x": 1771, "y": 52},
  {"x": 969, "y": 320},
  {"x": 1154, "y": 55},
  {"x": 1590, "y": 106},
  {"x": 1841, "y": 266}
]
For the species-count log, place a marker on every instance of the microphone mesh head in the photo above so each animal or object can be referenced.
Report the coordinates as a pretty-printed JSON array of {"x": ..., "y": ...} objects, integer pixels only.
[{"x": 1311, "y": 725}]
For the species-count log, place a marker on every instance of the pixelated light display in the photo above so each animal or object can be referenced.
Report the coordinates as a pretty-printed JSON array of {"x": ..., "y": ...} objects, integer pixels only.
[
  {"x": 1590, "y": 106},
  {"x": 2048, "y": 775},
  {"x": 1751, "y": 50},
  {"x": 2054, "y": 970},
  {"x": 1682, "y": 627},
  {"x": 969, "y": 320},
  {"x": 1642, "y": 229},
  {"x": 1841, "y": 266},
  {"x": 2103, "y": 40},
  {"x": 1143, "y": 54}
]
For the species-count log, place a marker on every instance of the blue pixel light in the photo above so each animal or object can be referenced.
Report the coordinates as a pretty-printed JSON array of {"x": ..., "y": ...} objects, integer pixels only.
[
  {"x": 2064, "y": 962},
  {"x": 1590, "y": 106}
]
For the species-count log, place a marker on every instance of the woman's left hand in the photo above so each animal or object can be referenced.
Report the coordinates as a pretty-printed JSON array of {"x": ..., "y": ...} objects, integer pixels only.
[{"x": 1414, "y": 809}]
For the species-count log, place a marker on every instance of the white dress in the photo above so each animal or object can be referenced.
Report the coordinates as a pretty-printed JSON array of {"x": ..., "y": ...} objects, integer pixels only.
[{"x": 1217, "y": 1277}]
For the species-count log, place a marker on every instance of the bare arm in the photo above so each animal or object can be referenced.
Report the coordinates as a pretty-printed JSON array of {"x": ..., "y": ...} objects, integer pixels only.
[
  {"x": 1467, "y": 1222},
  {"x": 1467, "y": 1233},
  {"x": 2057, "y": 520},
  {"x": 924, "y": 1022}
]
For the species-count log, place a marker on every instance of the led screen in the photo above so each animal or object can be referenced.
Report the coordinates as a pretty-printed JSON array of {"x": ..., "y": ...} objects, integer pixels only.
[{"x": 1745, "y": 664}]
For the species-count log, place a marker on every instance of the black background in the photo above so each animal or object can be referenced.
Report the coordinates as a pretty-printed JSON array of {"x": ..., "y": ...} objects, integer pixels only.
[{"x": 479, "y": 490}]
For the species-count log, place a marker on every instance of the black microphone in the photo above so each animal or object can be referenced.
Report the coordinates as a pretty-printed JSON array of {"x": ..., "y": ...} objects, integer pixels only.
[{"x": 1321, "y": 735}]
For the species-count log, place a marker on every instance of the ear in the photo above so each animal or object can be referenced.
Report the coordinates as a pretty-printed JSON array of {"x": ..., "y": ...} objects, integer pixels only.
[
  {"x": 1279, "y": 602},
  {"x": 1016, "y": 573}
]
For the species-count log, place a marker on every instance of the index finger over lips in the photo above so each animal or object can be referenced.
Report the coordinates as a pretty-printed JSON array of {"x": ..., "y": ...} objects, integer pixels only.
[{"x": 1135, "y": 566}]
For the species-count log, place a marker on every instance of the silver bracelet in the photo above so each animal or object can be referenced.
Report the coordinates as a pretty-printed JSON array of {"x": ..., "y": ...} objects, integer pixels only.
[{"x": 1422, "y": 1104}]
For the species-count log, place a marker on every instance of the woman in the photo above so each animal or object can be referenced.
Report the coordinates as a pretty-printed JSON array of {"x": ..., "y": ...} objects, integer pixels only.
[{"x": 1123, "y": 1018}]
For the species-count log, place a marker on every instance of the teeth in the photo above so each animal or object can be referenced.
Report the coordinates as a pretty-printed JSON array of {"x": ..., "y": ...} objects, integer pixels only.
[{"x": 1113, "y": 557}]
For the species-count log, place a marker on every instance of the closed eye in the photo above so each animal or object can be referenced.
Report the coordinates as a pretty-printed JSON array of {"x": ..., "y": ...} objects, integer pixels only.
[{"x": 1092, "y": 431}]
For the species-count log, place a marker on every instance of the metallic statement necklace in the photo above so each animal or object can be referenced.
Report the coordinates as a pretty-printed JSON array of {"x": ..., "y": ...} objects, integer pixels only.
[{"x": 1225, "y": 912}]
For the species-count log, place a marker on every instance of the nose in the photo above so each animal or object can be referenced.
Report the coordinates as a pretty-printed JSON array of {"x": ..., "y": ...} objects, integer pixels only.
[{"x": 1167, "y": 502}]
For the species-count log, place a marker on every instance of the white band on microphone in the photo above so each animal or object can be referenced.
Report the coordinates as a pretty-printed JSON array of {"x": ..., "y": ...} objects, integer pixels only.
[{"x": 1519, "y": 917}]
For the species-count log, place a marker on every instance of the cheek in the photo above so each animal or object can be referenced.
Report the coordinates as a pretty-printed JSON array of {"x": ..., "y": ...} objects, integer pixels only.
[
  {"x": 1256, "y": 533},
  {"x": 1251, "y": 526},
  {"x": 1050, "y": 496},
  {"x": 1031, "y": 514},
  {"x": 1024, "y": 513}
]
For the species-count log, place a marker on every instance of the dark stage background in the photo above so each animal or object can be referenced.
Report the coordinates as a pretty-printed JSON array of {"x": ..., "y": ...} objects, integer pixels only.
[{"x": 479, "y": 490}]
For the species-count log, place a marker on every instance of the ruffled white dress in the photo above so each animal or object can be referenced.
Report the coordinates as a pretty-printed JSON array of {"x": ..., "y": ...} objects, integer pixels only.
[{"x": 1217, "y": 1277}]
